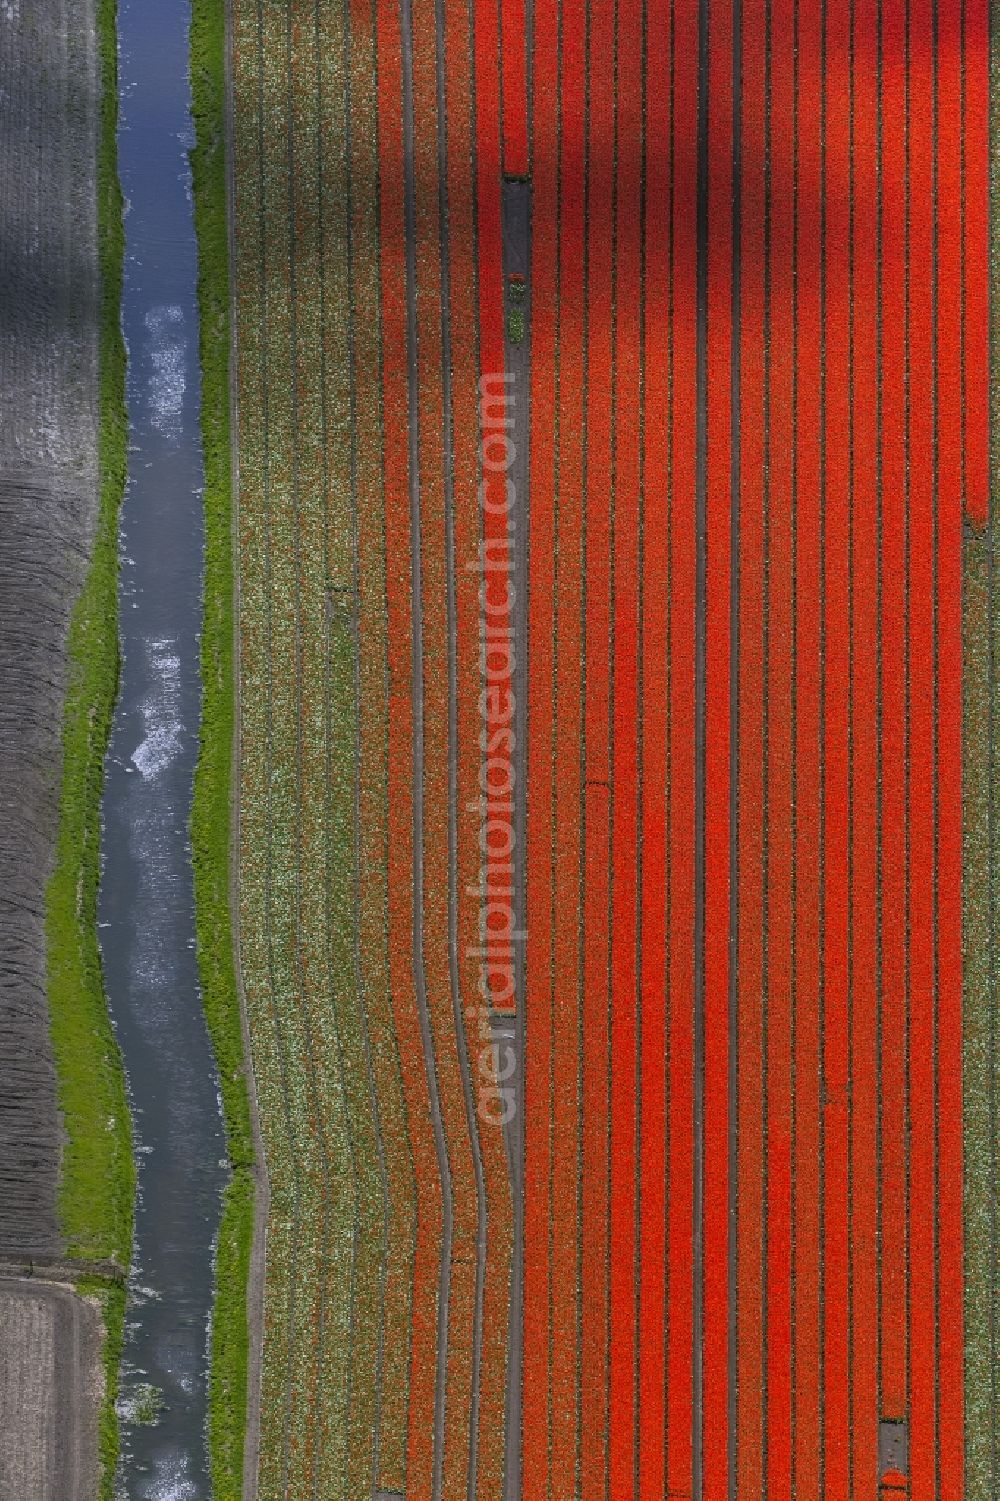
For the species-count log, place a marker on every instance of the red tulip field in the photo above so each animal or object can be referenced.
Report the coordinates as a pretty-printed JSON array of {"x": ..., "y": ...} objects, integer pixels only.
[{"x": 617, "y": 854}]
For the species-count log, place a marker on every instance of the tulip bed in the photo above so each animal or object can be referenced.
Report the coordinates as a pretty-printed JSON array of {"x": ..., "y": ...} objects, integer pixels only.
[
  {"x": 376, "y": 934},
  {"x": 741, "y": 735},
  {"x": 778, "y": 441},
  {"x": 366, "y": 1095},
  {"x": 436, "y": 627},
  {"x": 472, "y": 127},
  {"x": 295, "y": 818}
]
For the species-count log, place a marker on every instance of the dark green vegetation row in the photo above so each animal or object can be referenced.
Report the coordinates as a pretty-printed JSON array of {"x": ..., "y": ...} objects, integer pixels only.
[{"x": 211, "y": 815}]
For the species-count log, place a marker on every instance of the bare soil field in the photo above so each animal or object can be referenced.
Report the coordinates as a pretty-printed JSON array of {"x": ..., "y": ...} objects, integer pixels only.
[
  {"x": 50, "y": 1386},
  {"x": 48, "y": 507}
]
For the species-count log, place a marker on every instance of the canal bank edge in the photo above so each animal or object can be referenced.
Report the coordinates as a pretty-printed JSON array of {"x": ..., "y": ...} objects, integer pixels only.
[
  {"x": 97, "y": 1180},
  {"x": 213, "y": 815}
]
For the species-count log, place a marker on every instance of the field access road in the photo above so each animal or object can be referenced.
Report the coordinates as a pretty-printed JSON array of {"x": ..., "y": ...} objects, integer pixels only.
[{"x": 51, "y": 1380}]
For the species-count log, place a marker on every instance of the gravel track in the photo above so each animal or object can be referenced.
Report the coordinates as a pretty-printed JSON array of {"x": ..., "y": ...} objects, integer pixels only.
[{"x": 48, "y": 507}]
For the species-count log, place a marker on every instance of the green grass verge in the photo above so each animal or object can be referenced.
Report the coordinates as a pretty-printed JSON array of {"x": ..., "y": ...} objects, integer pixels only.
[
  {"x": 97, "y": 1186},
  {"x": 212, "y": 811},
  {"x": 111, "y": 1297}
]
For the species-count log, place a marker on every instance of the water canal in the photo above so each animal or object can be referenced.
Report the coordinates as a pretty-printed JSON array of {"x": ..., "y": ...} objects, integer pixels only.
[{"x": 146, "y": 898}]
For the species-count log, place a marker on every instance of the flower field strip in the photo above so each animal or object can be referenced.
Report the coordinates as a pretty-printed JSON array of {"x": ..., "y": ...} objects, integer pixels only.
[
  {"x": 981, "y": 642},
  {"x": 341, "y": 774},
  {"x": 281, "y": 1117},
  {"x": 490, "y": 526},
  {"x": 596, "y": 1006},
  {"x": 894, "y": 1382},
  {"x": 922, "y": 757},
  {"x": 540, "y": 834},
  {"x": 750, "y": 1298},
  {"x": 265, "y": 994},
  {"x": 850, "y": 549},
  {"x": 326, "y": 711},
  {"x": 953, "y": 1424},
  {"x": 836, "y": 995},
  {"x": 323, "y": 1447},
  {"x": 474, "y": 297},
  {"x": 681, "y": 940},
  {"x": 477, "y": 309},
  {"x": 403, "y": 951},
  {"x": 835, "y": 718},
  {"x": 977, "y": 31},
  {"x": 806, "y": 1461},
  {"x": 488, "y": 1245},
  {"x": 568, "y": 759},
  {"x": 277, "y": 996},
  {"x": 442, "y": 1003},
  {"x": 515, "y": 88},
  {"x": 493, "y": 1437},
  {"x": 952, "y": 426},
  {"x": 625, "y": 936},
  {"x": 943, "y": 1022},
  {"x": 328, "y": 610},
  {"x": 779, "y": 1060},
  {"x": 653, "y": 1315},
  {"x": 861, "y": 149},
  {"x": 718, "y": 787},
  {"x": 314, "y": 665},
  {"x": 373, "y": 732},
  {"x": 932, "y": 526},
  {"x": 489, "y": 148}
]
